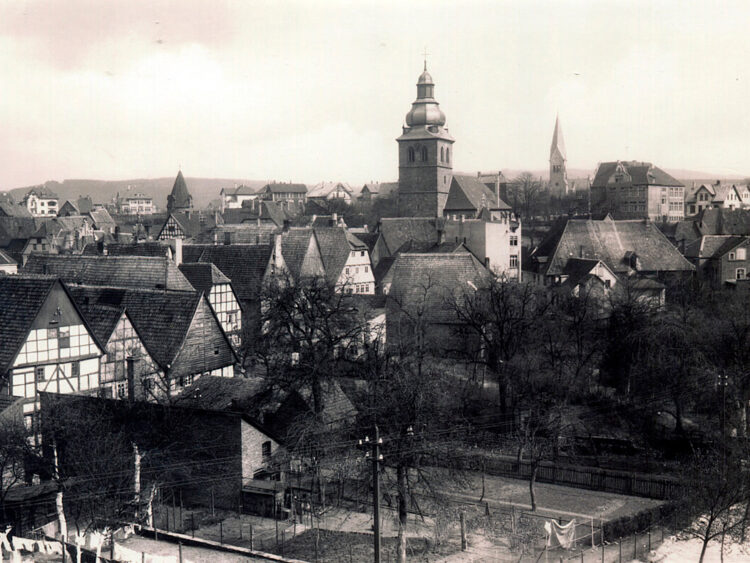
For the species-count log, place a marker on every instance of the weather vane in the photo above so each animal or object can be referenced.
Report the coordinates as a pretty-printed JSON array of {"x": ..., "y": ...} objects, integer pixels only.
[{"x": 425, "y": 57}]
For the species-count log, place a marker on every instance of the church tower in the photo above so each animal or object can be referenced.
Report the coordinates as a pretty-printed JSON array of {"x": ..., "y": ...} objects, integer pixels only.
[
  {"x": 425, "y": 154},
  {"x": 180, "y": 199},
  {"x": 558, "y": 175}
]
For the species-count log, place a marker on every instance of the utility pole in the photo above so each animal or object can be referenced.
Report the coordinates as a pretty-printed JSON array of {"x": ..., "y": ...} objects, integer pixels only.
[
  {"x": 723, "y": 382},
  {"x": 375, "y": 457}
]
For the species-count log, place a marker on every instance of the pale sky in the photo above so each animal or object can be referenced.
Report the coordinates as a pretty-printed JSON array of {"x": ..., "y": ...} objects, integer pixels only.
[{"x": 318, "y": 90}]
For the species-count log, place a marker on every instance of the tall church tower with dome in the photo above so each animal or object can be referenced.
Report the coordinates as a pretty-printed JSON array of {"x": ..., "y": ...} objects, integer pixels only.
[{"x": 425, "y": 154}]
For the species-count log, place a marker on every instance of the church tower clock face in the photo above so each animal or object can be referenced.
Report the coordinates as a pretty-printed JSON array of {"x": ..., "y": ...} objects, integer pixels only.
[{"x": 425, "y": 155}]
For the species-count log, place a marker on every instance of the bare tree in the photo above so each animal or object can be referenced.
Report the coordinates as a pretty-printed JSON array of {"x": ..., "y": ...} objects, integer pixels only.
[
  {"x": 525, "y": 194},
  {"x": 14, "y": 449}
]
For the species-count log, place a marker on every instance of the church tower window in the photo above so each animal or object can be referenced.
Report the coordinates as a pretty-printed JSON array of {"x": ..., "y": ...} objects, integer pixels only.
[
  {"x": 411, "y": 154},
  {"x": 424, "y": 154},
  {"x": 442, "y": 154},
  {"x": 447, "y": 155}
]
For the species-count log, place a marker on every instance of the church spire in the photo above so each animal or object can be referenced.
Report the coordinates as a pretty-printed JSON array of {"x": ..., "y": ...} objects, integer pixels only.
[{"x": 557, "y": 140}]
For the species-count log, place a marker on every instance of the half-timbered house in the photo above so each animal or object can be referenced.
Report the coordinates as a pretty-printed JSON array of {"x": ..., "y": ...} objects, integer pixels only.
[
  {"x": 208, "y": 278},
  {"x": 46, "y": 343}
]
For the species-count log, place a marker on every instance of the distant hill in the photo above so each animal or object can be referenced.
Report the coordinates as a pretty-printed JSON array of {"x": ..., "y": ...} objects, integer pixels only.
[{"x": 203, "y": 190}]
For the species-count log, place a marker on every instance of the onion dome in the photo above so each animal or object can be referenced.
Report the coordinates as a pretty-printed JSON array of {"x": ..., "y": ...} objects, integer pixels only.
[{"x": 425, "y": 110}]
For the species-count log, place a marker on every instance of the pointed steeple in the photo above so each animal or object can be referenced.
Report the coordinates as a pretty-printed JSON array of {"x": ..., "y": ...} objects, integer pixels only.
[
  {"x": 180, "y": 199},
  {"x": 557, "y": 141}
]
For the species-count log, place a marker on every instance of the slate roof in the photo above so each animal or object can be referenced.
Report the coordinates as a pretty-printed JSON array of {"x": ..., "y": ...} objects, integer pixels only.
[
  {"x": 21, "y": 297},
  {"x": 723, "y": 221},
  {"x": 161, "y": 318},
  {"x": 6, "y": 259},
  {"x": 641, "y": 173},
  {"x": 370, "y": 239},
  {"x": 284, "y": 188},
  {"x": 241, "y": 190},
  {"x": 118, "y": 271},
  {"x": 149, "y": 248},
  {"x": 336, "y": 243},
  {"x": 203, "y": 275},
  {"x": 294, "y": 246},
  {"x": 243, "y": 233},
  {"x": 223, "y": 393},
  {"x": 190, "y": 221},
  {"x": 396, "y": 231},
  {"x": 324, "y": 189},
  {"x": 102, "y": 316},
  {"x": 686, "y": 231},
  {"x": 179, "y": 197},
  {"x": 9, "y": 209},
  {"x": 18, "y": 228},
  {"x": 713, "y": 246},
  {"x": 244, "y": 264},
  {"x": 430, "y": 281},
  {"x": 102, "y": 219},
  {"x": 42, "y": 192},
  {"x": 610, "y": 241},
  {"x": 578, "y": 268},
  {"x": 468, "y": 192},
  {"x": 84, "y": 204},
  {"x": 387, "y": 189}
]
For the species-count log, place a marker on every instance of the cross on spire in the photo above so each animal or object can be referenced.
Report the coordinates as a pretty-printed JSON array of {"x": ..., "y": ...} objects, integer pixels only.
[{"x": 425, "y": 54}]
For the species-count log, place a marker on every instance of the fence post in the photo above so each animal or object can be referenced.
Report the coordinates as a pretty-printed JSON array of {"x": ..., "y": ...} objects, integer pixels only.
[
  {"x": 192, "y": 523},
  {"x": 592, "y": 534},
  {"x": 251, "y": 536},
  {"x": 619, "y": 545},
  {"x": 635, "y": 545},
  {"x": 649, "y": 540},
  {"x": 221, "y": 532},
  {"x": 463, "y": 531},
  {"x": 179, "y": 546}
]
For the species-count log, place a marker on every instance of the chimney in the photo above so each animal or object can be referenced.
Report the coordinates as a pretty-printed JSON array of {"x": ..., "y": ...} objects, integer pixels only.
[
  {"x": 177, "y": 251},
  {"x": 130, "y": 363},
  {"x": 335, "y": 217},
  {"x": 227, "y": 238},
  {"x": 285, "y": 228},
  {"x": 216, "y": 238}
]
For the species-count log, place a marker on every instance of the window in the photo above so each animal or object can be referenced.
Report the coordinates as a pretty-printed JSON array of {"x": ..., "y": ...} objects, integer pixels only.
[
  {"x": 424, "y": 154},
  {"x": 442, "y": 154},
  {"x": 75, "y": 369},
  {"x": 64, "y": 337},
  {"x": 741, "y": 254},
  {"x": 411, "y": 154},
  {"x": 39, "y": 374},
  {"x": 740, "y": 273},
  {"x": 347, "y": 271},
  {"x": 607, "y": 283},
  {"x": 266, "y": 449},
  {"x": 514, "y": 261},
  {"x": 367, "y": 269},
  {"x": 514, "y": 240},
  {"x": 121, "y": 389},
  {"x": 363, "y": 253},
  {"x": 447, "y": 154},
  {"x": 732, "y": 256}
]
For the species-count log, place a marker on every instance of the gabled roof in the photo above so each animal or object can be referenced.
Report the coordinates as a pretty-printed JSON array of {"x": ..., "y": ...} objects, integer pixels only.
[
  {"x": 294, "y": 246},
  {"x": 117, "y": 271},
  {"x": 84, "y": 204},
  {"x": 610, "y": 241},
  {"x": 641, "y": 174},
  {"x": 42, "y": 192},
  {"x": 370, "y": 239},
  {"x": 71, "y": 205},
  {"x": 241, "y": 190},
  {"x": 243, "y": 233},
  {"x": 193, "y": 223},
  {"x": 148, "y": 248},
  {"x": 397, "y": 230},
  {"x": 713, "y": 246},
  {"x": 431, "y": 281},
  {"x": 102, "y": 219},
  {"x": 8, "y": 209},
  {"x": 161, "y": 318},
  {"x": 244, "y": 264},
  {"x": 102, "y": 317},
  {"x": 324, "y": 189},
  {"x": 21, "y": 298},
  {"x": 469, "y": 193},
  {"x": 203, "y": 276},
  {"x": 18, "y": 228},
  {"x": 577, "y": 269},
  {"x": 6, "y": 259},
  {"x": 284, "y": 188},
  {"x": 336, "y": 243},
  {"x": 723, "y": 221}
]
